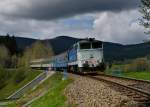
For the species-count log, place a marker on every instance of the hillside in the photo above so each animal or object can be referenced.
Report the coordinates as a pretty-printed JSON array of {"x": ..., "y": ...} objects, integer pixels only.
[
  {"x": 22, "y": 43},
  {"x": 61, "y": 43},
  {"x": 112, "y": 51}
]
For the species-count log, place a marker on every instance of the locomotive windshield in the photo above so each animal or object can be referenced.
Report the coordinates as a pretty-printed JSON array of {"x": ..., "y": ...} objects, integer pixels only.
[
  {"x": 85, "y": 45},
  {"x": 96, "y": 45},
  {"x": 89, "y": 45}
]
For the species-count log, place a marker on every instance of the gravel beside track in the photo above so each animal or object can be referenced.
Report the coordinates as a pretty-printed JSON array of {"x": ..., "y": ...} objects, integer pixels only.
[
  {"x": 87, "y": 92},
  {"x": 144, "y": 85}
]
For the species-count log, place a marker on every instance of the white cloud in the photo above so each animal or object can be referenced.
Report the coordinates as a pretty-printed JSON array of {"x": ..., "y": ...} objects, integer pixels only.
[
  {"x": 120, "y": 27},
  {"x": 28, "y": 28}
]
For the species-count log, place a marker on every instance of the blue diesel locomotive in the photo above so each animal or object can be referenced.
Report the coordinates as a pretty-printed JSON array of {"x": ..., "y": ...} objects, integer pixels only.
[{"x": 85, "y": 56}]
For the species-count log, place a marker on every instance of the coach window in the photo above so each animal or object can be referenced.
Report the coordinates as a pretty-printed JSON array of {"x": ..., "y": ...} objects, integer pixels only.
[
  {"x": 85, "y": 45},
  {"x": 96, "y": 45}
]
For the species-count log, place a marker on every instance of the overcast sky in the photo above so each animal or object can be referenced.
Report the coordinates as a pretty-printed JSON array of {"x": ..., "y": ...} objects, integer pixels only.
[{"x": 108, "y": 20}]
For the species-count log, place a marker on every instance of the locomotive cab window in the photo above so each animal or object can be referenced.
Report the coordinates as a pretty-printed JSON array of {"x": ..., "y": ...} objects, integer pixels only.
[
  {"x": 85, "y": 45},
  {"x": 96, "y": 45}
]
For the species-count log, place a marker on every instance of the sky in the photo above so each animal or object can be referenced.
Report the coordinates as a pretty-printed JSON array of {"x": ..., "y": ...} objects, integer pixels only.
[{"x": 106, "y": 20}]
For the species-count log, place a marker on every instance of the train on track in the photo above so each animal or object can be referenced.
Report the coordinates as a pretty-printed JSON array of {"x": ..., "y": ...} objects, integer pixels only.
[{"x": 85, "y": 56}]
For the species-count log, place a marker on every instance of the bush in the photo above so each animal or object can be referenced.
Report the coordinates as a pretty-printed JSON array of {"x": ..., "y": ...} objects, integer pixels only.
[
  {"x": 140, "y": 64},
  {"x": 4, "y": 56},
  {"x": 148, "y": 57},
  {"x": 3, "y": 78},
  {"x": 20, "y": 75},
  {"x": 102, "y": 66}
]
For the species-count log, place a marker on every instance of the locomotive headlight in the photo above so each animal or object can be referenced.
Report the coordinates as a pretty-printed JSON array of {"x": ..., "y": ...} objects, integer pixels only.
[{"x": 85, "y": 64}]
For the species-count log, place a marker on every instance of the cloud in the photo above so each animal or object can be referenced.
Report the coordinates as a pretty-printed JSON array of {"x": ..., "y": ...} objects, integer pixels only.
[
  {"x": 53, "y": 9},
  {"x": 120, "y": 27},
  {"x": 108, "y": 20},
  {"x": 28, "y": 28}
]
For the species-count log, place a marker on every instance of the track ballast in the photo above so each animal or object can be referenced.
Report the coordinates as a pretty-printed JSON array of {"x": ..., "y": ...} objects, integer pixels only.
[{"x": 138, "y": 90}]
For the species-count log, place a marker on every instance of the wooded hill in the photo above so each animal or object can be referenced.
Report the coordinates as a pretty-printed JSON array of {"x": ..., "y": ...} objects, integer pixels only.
[
  {"x": 112, "y": 51},
  {"x": 10, "y": 43}
]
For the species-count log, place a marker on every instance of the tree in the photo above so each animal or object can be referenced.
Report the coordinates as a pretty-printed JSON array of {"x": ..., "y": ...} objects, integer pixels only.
[
  {"x": 25, "y": 59},
  {"x": 13, "y": 45},
  {"x": 4, "y": 55},
  {"x": 145, "y": 10},
  {"x": 37, "y": 51},
  {"x": 14, "y": 61},
  {"x": 2, "y": 77},
  {"x": 10, "y": 43}
]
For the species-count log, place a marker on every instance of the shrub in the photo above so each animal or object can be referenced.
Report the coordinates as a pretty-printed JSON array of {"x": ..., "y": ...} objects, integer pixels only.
[
  {"x": 102, "y": 66},
  {"x": 140, "y": 64},
  {"x": 20, "y": 75},
  {"x": 4, "y": 56},
  {"x": 148, "y": 57},
  {"x": 3, "y": 78}
]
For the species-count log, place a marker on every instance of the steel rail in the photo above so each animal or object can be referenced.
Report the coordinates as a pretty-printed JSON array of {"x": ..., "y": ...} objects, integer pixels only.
[
  {"x": 126, "y": 78},
  {"x": 140, "y": 92}
]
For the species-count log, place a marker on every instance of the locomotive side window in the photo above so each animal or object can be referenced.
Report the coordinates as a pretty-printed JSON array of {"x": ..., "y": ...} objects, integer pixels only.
[
  {"x": 85, "y": 45},
  {"x": 96, "y": 45}
]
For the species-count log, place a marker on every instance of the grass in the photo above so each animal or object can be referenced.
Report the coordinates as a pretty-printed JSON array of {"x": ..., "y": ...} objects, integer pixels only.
[
  {"x": 145, "y": 75},
  {"x": 118, "y": 71},
  {"x": 114, "y": 69},
  {"x": 54, "y": 97},
  {"x": 11, "y": 86},
  {"x": 10, "y": 105}
]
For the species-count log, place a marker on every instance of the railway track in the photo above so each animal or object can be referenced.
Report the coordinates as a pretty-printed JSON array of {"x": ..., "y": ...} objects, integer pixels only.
[
  {"x": 136, "y": 83},
  {"x": 138, "y": 90}
]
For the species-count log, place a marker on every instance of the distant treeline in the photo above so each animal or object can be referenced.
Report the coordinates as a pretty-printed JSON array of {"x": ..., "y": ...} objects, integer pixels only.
[
  {"x": 12, "y": 57},
  {"x": 10, "y": 43},
  {"x": 117, "y": 52},
  {"x": 112, "y": 51}
]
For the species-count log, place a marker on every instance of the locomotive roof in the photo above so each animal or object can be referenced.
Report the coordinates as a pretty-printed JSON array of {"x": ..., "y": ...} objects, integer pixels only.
[{"x": 88, "y": 40}]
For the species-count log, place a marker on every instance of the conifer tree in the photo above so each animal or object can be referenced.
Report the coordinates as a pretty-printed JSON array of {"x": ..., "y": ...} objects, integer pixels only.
[{"x": 145, "y": 10}]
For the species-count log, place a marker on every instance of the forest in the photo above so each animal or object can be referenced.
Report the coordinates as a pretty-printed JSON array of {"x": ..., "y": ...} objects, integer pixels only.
[{"x": 14, "y": 63}]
